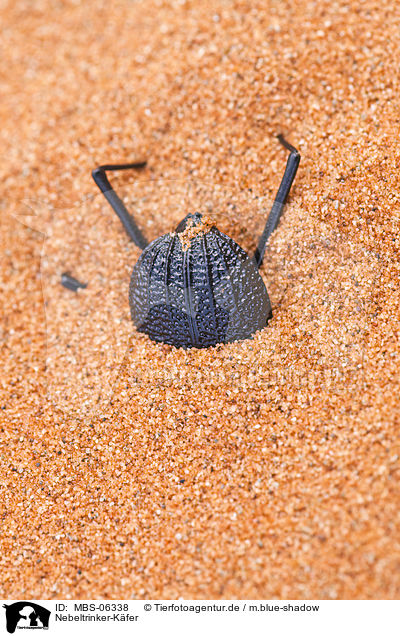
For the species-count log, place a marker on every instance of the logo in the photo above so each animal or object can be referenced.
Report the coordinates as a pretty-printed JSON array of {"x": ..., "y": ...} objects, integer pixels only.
[{"x": 26, "y": 615}]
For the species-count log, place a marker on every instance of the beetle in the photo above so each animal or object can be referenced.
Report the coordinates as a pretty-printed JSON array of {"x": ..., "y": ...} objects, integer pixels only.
[{"x": 196, "y": 287}]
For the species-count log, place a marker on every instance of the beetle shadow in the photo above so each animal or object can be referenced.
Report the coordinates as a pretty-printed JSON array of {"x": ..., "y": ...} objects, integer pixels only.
[{"x": 89, "y": 333}]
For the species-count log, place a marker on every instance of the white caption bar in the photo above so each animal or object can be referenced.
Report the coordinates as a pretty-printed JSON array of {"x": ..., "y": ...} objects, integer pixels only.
[{"x": 199, "y": 617}]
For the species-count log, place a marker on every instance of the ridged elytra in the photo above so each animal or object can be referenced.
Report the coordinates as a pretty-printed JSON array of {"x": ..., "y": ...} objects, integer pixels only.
[
  {"x": 196, "y": 287},
  {"x": 200, "y": 294}
]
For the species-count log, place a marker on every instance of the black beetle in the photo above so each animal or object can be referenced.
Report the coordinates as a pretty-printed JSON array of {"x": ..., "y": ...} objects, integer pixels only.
[{"x": 196, "y": 287}]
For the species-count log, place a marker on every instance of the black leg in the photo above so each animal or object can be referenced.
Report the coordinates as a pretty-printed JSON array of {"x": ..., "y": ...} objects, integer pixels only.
[
  {"x": 100, "y": 177},
  {"x": 280, "y": 199}
]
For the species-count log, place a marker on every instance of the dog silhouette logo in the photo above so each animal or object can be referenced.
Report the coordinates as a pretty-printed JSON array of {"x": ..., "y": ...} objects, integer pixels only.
[{"x": 26, "y": 615}]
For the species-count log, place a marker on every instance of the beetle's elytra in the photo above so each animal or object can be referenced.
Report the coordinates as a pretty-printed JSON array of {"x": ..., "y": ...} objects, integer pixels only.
[
  {"x": 199, "y": 290},
  {"x": 196, "y": 287}
]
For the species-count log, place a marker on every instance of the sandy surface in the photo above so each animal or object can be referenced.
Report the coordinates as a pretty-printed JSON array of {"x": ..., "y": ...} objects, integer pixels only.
[{"x": 265, "y": 468}]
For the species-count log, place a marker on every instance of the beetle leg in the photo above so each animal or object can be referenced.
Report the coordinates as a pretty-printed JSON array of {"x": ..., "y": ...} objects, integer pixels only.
[
  {"x": 101, "y": 180},
  {"x": 280, "y": 199}
]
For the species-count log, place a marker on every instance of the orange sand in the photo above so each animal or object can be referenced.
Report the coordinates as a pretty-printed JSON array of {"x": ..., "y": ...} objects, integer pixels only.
[{"x": 265, "y": 468}]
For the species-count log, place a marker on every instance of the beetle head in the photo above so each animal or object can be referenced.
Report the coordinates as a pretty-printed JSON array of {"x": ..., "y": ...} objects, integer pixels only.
[{"x": 190, "y": 220}]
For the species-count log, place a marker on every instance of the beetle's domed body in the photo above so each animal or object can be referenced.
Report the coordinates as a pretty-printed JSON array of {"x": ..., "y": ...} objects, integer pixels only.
[{"x": 196, "y": 287}]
